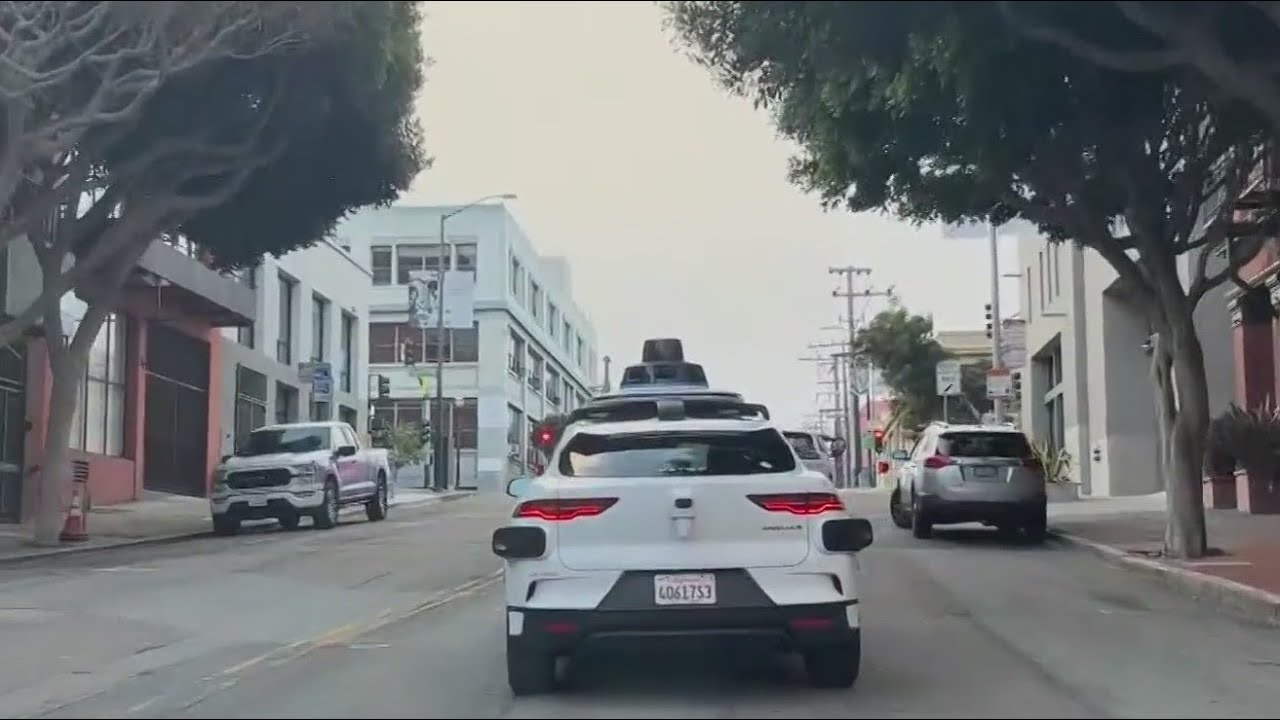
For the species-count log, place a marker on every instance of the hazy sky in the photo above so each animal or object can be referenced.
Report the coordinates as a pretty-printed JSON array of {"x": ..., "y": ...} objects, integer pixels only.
[{"x": 668, "y": 196}]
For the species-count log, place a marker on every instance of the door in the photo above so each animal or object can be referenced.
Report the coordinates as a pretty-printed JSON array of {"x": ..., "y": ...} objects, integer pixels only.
[
  {"x": 690, "y": 499},
  {"x": 352, "y": 471},
  {"x": 175, "y": 449},
  {"x": 13, "y": 431}
]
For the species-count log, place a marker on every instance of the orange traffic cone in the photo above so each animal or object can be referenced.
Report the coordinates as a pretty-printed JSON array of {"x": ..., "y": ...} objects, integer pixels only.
[{"x": 76, "y": 528}]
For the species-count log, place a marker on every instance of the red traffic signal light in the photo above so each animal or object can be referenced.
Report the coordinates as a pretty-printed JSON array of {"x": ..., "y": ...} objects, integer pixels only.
[
  {"x": 544, "y": 437},
  {"x": 878, "y": 436}
]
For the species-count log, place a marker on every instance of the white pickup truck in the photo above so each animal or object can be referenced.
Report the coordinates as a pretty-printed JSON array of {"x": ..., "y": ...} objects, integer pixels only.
[{"x": 285, "y": 472}]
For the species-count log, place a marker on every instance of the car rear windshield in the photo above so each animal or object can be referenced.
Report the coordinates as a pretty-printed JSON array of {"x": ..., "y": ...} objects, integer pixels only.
[
  {"x": 980, "y": 444},
  {"x": 658, "y": 454},
  {"x": 804, "y": 445}
]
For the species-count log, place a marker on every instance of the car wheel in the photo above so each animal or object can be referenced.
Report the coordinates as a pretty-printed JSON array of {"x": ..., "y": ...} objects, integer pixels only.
[
  {"x": 376, "y": 508},
  {"x": 896, "y": 511},
  {"x": 327, "y": 516},
  {"x": 223, "y": 525},
  {"x": 835, "y": 667},
  {"x": 530, "y": 672},
  {"x": 921, "y": 524},
  {"x": 289, "y": 522},
  {"x": 1037, "y": 527}
]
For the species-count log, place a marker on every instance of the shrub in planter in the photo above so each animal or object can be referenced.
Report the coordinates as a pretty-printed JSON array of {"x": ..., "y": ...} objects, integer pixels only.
[
  {"x": 1248, "y": 439},
  {"x": 1056, "y": 462}
]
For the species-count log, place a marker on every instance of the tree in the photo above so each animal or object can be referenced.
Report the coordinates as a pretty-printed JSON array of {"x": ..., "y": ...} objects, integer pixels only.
[
  {"x": 903, "y": 347},
  {"x": 1230, "y": 46},
  {"x": 248, "y": 154},
  {"x": 938, "y": 112},
  {"x": 405, "y": 443}
]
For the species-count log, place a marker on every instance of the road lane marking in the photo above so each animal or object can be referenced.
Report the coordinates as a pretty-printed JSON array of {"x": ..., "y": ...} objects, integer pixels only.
[{"x": 346, "y": 634}]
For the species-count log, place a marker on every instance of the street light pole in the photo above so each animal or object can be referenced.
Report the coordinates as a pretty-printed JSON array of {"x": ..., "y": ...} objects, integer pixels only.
[
  {"x": 997, "y": 362},
  {"x": 442, "y": 442}
]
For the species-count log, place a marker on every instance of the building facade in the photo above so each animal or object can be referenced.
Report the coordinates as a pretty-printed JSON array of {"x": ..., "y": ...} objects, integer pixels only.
[
  {"x": 531, "y": 352},
  {"x": 309, "y": 305},
  {"x": 1087, "y": 384},
  {"x": 148, "y": 416}
]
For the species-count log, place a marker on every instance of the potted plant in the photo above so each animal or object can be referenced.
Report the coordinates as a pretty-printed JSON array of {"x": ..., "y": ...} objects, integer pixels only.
[
  {"x": 1252, "y": 439},
  {"x": 1056, "y": 464}
]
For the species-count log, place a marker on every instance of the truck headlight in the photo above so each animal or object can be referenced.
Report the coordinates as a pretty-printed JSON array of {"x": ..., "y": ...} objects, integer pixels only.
[{"x": 306, "y": 473}]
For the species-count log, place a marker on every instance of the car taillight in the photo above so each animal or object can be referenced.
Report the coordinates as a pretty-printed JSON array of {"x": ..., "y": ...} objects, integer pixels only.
[
  {"x": 882, "y": 467},
  {"x": 933, "y": 462},
  {"x": 564, "y": 509},
  {"x": 798, "y": 503}
]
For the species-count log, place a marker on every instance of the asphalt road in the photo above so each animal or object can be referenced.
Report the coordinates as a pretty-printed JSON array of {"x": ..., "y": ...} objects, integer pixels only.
[{"x": 403, "y": 619}]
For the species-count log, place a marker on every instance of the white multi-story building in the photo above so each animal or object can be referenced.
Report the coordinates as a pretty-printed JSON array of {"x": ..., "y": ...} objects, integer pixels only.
[
  {"x": 1087, "y": 385},
  {"x": 311, "y": 304},
  {"x": 531, "y": 353}
]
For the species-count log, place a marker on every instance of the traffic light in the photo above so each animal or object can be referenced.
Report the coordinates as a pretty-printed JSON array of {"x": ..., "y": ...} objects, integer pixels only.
[
  {"x": 878, "y": 436},
  {"x": 1017, "y": 384},
  {"x": 424, "y": 433},
  {"x": 409, "y": 353},
  {"x": 989, "y": 318},
  {"x": 384, "y": 386}
]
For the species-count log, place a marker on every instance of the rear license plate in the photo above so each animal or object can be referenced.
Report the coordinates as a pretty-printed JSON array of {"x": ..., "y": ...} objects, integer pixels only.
[
  {"x": 685, "y": 589},
  {"x": 257, "y": 502},
  {"x": 986, "y": 473}
]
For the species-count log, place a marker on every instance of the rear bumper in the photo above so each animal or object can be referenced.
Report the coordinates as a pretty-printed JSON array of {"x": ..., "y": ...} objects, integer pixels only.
[
  {"x": 943, "y": 511},
  {"x": 789, "y": 627}
]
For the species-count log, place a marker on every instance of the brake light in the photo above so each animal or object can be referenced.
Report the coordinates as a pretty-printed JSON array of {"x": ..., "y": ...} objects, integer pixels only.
[
  {"x": 882, "y": 467},
  {"x": 934, "y": 462},
  {"x": 557, "y": 510},
  {"x": 799, "y": 503}
]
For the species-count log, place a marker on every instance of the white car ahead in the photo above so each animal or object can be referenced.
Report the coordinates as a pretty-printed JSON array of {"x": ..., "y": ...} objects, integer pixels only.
[{"x": 671, "y": 525}]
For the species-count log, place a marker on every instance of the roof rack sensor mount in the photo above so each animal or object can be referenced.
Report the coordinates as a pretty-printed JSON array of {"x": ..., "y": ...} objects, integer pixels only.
[{"x": 634, "y": 409}]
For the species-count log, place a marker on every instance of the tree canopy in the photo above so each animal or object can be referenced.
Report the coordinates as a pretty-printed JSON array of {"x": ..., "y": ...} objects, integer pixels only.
[
  {"x": 902, "y": 346},
  {"x": 941, "y": 112}
]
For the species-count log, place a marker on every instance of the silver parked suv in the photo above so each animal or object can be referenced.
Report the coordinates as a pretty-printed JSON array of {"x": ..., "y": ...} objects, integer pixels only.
[{"x": 969, "y": 473}]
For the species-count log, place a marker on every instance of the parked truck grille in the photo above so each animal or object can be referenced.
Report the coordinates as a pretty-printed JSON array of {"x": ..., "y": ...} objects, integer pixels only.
[{"x": 246, "y": 479}]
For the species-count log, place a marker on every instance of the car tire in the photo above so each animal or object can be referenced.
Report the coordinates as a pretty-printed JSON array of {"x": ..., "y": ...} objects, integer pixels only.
[
  {"x": 900, "y": 516},
  {"x": 921, "y": 523},
  {"x": 223, "y": 525},
  {"x": 376, "y": 508},
  {"x": 530, "y": 672},
  {"x": 326, "y": 516},
  {"x": 1036, "y": 526},
  {"x": 834, "y": 667},
  {"x": 289, "y": 522}
]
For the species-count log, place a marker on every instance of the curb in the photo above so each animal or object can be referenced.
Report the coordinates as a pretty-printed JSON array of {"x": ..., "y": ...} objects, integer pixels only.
[
  {"x": 1244, "y": 601},
  {"x": 173, "y": 538}
]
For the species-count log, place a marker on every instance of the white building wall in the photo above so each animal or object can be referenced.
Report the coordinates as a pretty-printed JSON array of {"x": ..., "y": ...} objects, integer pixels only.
[
  {"x": 501, "y": 309},
  {"x": 341, "y": 278},
  {"x": 1072, "y": 300}
]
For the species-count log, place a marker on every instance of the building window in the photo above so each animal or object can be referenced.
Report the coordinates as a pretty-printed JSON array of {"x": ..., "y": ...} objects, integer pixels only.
[
  {"x": 535, "y": 300},
  {"x": 251, "y": 403},
  {"x": 553, "y": 386},
  {"x": 387, "y": 340},
  {"x": 578, "y": 352},
  {"x": 517, "y": 279},
  {"x": 349, "y": 416},
  {"x": 566, "y": 338},
  {"x": 536, "y": 369},
  {"x": 516, "y": 355},
  {"x": 248, "y": 276},
  {"x": 380, "y": 264},
  {"x": 466, "y": 344},
  {"x": 383, "y": 343},
  {"x": 417, "y": 257},
  {"x": 553, "y": 320},
  {"x": 284, "y": 341},
  {"x": 397, "y": 412},
  {"x": 98, "y": 425},
  {"x": 348, "y": 352},
  {"x": 286, "y": 403},
  {"x": 464, "y": 423},
  {"x": 466, "y": 256},
  {"x": 515, "y": 427},
  {"x": 319, "y": 323}
]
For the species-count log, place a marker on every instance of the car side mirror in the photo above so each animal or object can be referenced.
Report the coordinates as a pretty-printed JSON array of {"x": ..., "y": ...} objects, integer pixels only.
[
  {"x": 838, "y": 446},
  {"x": 517, "y": 486},
  {"x": 345, "y": 451},
  {"x": 900, "y": 455}
]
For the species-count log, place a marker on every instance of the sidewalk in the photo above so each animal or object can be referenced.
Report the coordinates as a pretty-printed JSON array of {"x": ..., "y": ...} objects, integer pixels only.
[
  {"x": 1242, "y": 573},
  {"x": 159, "y": 518}
]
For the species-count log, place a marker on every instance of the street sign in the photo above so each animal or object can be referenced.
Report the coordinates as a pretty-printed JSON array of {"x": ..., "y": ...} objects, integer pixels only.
[
  {"x": 947, "y": 375},
  {"x": 860, "y": 378},
  {"x": 999, "y": 384},
  {"x": 320, "y": 375}
]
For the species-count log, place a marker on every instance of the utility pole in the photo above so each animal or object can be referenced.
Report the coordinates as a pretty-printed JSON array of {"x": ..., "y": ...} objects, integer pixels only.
[
  {"x": 997, "y": 362},
  {"x": 849, "y": 294},
  {"x": 842, "y": 399}
]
